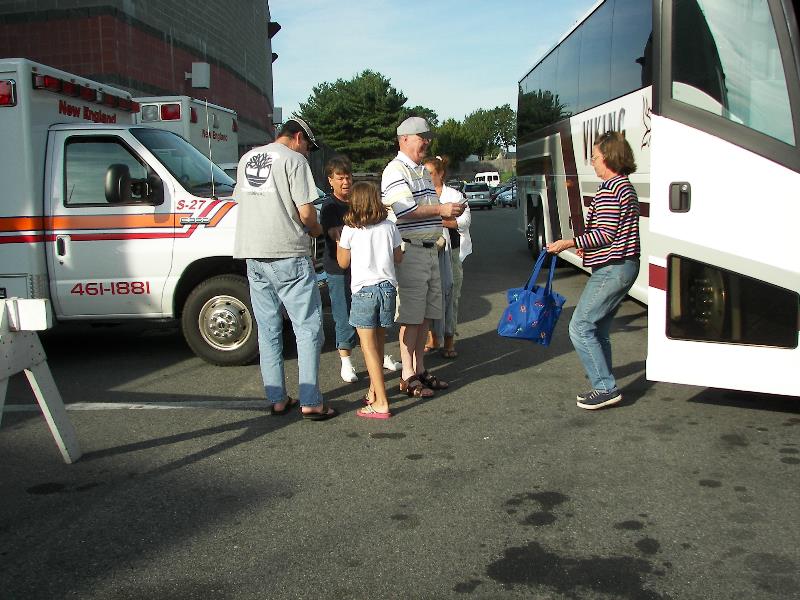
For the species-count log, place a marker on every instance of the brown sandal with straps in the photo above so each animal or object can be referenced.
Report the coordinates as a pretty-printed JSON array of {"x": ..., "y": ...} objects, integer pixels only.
[
  {"x": 430, "y": 380},
  {"x": 414, "y": 391}
]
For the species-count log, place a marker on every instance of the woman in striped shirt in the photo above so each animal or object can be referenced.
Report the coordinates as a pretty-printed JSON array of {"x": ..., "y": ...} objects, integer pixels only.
[{"x": 611, "y": 247}]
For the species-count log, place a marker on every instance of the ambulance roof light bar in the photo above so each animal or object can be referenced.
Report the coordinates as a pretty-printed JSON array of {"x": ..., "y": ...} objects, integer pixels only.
[{"x": 71, "y": 88}]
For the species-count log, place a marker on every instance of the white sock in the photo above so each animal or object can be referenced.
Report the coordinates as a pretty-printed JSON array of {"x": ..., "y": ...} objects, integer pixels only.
[{"x": 348, "y": 372}]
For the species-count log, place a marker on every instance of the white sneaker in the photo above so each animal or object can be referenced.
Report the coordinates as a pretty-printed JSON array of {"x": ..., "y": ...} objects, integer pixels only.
[
  {"x": 390, "y": 364},
  {"x": 348, "y": 374}
]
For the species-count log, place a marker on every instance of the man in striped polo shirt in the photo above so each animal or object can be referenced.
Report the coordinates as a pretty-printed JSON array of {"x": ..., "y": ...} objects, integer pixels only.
[{"x": 408, "y": 192}]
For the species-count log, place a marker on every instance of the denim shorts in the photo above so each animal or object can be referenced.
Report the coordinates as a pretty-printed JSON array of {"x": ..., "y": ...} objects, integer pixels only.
[{"x": 373, "y": 306}]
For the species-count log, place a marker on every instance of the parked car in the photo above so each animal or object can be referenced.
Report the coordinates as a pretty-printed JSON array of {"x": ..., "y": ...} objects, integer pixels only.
[
  {"x": 500, "y": 188},
  {"x": 478, "y": 195},
  {"x": 456, "y": 184},
  {"x": 507, "y": 197}
]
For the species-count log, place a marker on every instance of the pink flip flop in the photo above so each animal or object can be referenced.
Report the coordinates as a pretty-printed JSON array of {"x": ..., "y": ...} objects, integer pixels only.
[{"x": 370, "y": 413}]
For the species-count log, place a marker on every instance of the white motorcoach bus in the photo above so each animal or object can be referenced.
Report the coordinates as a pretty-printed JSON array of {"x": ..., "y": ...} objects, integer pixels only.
[{"x": 707, "y": 94}]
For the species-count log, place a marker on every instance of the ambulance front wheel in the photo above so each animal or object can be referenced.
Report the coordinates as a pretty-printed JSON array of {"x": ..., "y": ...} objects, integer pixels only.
[{"x": 218, "y": 321}]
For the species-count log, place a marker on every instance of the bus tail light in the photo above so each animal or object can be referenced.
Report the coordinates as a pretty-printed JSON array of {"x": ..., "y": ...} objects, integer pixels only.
[
  {"x": 170, "y": 112},
  {"x": 8, "y": 93},
  {"x": 192, "y": 114},
  {"x": 235, "y": 126}
]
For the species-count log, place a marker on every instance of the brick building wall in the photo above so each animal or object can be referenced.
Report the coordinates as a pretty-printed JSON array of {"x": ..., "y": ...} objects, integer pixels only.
[{"x": 147, "y": 47}]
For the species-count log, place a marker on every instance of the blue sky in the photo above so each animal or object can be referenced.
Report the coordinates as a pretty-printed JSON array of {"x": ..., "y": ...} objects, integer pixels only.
[{"x": 452, "y": 56}]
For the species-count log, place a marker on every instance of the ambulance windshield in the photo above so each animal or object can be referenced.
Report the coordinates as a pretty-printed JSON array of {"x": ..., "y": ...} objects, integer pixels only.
[{"x": 198, "y": 175}]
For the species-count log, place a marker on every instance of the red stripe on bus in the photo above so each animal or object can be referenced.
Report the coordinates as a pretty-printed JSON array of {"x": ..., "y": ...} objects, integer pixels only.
[
  {"x": 571, "y": 182},
  {"x": 658, "y": 277}
]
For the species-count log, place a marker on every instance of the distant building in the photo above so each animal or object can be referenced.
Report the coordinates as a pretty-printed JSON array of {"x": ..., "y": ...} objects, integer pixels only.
[{"x": 149, "y": 47}]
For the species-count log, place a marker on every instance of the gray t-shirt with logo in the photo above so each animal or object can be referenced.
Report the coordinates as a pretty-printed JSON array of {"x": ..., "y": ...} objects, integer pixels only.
[{"x": 271, "y": 182}]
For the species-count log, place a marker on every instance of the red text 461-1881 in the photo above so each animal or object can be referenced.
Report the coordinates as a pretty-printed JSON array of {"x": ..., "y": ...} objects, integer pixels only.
[{"x": 113, "y": 288}]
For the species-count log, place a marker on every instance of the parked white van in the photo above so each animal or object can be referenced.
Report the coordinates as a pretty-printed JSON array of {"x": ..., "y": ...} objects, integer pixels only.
[{"x": 491, "y": 178}]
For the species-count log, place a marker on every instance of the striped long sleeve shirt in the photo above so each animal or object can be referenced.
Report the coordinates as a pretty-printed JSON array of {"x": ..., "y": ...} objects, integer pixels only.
[{"x": 612, "y": 224}]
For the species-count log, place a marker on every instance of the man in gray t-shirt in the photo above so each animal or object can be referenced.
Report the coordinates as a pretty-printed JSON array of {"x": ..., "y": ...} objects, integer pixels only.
[{"x": 275, "y": 191}]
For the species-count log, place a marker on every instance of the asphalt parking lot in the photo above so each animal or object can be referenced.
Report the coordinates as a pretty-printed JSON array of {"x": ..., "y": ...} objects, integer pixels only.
[{"x": 499, "y": 487}]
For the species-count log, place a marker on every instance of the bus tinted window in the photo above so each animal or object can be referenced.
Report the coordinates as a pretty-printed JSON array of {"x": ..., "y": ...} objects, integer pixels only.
[
  {"x": 595, "y": 65},
  {"x": 726, "y": 60},
  {"x": 548, "y": 71},
  {"x": 631, "y": 46},
  {"x": 605, "y": 57},
  {"x": 568, "y": 69}
]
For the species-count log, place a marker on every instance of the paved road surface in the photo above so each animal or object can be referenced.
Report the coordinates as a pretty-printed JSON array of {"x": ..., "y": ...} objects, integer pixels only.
[{"x": 499, "y": 488}]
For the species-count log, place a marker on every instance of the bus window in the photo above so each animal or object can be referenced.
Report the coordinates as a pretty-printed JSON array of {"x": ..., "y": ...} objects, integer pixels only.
[
  {"x": 728, "y": 62},
  {"x": 631, "y": 54},
  {"x": 595, "y": 65}
]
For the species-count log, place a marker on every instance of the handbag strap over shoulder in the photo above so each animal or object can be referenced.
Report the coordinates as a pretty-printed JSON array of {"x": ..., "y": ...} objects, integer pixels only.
[{"x": 537, "y": 267}]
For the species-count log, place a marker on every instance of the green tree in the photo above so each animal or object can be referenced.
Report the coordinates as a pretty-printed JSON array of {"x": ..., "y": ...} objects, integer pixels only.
[
  {"x": 426, "y": 113},
  {"x": 451, "y": 140},
  {"x": 505, "y": 126},
  {"x": 479, "y": 130},
  {"x": 357, "y": 117}
]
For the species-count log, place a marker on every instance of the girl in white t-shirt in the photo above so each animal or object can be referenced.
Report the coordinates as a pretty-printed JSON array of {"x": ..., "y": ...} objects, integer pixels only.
[{"x": 370, "y": 245}]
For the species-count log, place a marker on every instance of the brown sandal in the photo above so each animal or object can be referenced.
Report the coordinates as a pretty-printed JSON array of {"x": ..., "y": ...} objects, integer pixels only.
[
  {"x": 431, "y": 381},
  {"x": 414, "y": 391}
]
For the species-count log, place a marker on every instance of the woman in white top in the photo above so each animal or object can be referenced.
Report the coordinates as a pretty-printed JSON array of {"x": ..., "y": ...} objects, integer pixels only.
[
  {"x": 458, "y": 245},
  {"x": 370, "y": 245}
]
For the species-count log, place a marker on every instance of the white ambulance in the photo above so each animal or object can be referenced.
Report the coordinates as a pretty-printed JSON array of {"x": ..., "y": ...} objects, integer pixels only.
[
  {"x": 210, "y": 128},
  {"x": 114, "y": 221}
]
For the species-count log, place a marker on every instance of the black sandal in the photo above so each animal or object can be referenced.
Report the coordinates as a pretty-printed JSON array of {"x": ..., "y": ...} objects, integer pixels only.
[
  {"x": 327, "y": 413},
  {"x": 431, "y": 381},
  {"x": 414, "y": 391},
  {"x": 288, "y": 405}
]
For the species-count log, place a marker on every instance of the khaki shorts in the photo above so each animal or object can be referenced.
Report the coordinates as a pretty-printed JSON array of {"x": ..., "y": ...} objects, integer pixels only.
[{"x": 419, "y": 285}]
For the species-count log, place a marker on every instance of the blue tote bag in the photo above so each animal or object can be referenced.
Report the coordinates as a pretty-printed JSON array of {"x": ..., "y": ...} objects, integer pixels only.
[{"x": 533, "y": 310}]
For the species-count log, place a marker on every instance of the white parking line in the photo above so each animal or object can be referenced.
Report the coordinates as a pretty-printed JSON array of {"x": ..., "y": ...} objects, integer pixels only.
[{"x": 224, "y": 404}]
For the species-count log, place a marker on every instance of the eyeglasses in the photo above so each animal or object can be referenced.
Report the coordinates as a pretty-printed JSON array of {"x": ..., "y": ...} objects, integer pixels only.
[{"x": 595, "y": 157}]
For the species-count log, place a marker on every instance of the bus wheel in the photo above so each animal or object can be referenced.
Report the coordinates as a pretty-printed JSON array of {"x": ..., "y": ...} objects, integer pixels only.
[
  {"x": 218, "y": 321},
  {"x": 534, "y": 232}
]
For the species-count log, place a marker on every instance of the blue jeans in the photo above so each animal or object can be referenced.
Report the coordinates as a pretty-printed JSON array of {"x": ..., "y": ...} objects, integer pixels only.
[
  {"x": 339, "y": 291},
  {"x": 591, "y": 321},
  {"x": 290, "y": 282}
]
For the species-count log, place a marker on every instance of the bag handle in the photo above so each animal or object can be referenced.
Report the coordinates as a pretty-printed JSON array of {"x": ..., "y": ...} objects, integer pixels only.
[
  {"x": 536, "y": 269},
  {"x": 549, "y": 288}
]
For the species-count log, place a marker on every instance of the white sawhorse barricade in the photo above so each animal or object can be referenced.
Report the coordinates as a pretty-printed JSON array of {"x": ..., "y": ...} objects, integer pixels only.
[{"x": 21, "y": 350}]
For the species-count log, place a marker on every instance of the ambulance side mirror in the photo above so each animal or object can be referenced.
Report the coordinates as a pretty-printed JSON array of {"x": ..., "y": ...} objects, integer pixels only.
[
  {"x": 155, "y": 189},
  {"x": 118, "y": 184}
]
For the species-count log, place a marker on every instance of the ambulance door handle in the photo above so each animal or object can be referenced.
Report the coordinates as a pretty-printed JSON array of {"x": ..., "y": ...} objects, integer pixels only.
[{"x": 61, "y": 245}]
